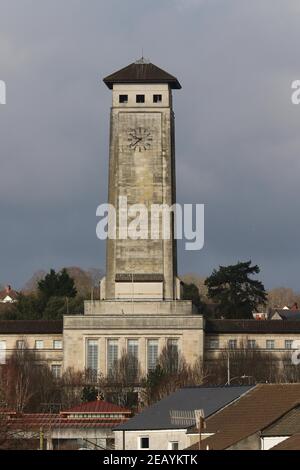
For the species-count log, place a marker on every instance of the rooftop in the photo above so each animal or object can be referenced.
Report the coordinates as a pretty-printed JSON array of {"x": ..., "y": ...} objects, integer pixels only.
[
  {"x": 97, "y": 406},
  {"x": 253, "y": 412},
  {"x": 141, "y": 71},
  {"x": 252, "y": 326},
  {"x": 292, "y": 443},
  {"x": 31, "y": 326},
  {"x": 287, "y": 425},
  {"x": 210, "y": 399}
]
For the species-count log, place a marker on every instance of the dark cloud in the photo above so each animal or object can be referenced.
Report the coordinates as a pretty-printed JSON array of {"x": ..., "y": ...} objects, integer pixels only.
[{"x": 237, "y": 133}]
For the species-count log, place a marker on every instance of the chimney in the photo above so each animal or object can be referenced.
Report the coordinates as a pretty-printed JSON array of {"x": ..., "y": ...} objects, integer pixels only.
[{"x": 8, "y": 289}]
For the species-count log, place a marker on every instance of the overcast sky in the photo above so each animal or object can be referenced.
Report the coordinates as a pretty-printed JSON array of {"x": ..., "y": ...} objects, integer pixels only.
[{"x": 237, "y": 133}]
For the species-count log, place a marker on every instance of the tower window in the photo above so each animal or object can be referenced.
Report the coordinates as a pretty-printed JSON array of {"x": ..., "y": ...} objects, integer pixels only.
[
  {"x": 140, "y": 98},
  {"x": 157, "y": 98},
  {"x": 123, "y": 98}
]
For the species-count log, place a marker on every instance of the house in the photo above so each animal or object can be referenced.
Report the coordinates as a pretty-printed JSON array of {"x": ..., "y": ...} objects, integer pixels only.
[
  {"x": 164, "y": 425},
  {"x": 8, "y": 295},
  {"x": 292, "y": 443},
  {"x": 241, "y": 424},
  {"x": 88, "y": 425},
  {"x": 282, "y": 429}
]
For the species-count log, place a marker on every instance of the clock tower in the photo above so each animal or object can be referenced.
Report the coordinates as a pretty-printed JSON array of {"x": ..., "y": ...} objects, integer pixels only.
[
  {"x": 142, "y": 171},
  {"x": 140, "y": 311}
]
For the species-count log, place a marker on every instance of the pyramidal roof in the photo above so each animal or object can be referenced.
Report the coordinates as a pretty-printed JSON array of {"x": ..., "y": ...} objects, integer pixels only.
[{"x": 141, "y": 71}]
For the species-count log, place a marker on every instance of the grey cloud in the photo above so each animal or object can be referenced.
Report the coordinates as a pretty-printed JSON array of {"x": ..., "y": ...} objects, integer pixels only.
[{"x": 237, "y": 133}]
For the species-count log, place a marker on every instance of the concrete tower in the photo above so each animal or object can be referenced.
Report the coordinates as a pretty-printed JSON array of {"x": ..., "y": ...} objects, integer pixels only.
[
  {"x": 140, "y": 311},
  {"x": 142, "y": 170}
]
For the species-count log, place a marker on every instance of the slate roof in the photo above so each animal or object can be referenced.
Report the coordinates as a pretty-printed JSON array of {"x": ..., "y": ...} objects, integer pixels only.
[
  {"x": 141, "y": 72},
  {"x": 31, "y": 326},
  {"x": 292, "y": 443},
  {"x": 210, "y": 399},
  {"x": 253, "y": 412},
  {"x": 252, "y": 326},
  {"x": 287, "y": 425}
]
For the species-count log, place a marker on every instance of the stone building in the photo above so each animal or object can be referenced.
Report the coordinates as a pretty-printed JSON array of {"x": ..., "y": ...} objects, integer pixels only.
[
  {"x": 140, "y": 310},
  {"x": 44, "y": 337}
]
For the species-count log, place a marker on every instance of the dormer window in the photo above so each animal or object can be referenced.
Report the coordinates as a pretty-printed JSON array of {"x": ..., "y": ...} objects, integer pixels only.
[
  {"x": 140, "y": 98},
  {"x": 157, "y": 98},
  {"x": 123, "y": 98}
]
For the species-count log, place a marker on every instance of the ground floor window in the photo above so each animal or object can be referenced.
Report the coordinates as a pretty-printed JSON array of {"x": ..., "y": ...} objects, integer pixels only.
[
  {"x": 173, "y": 445},
  {"x": 56, "y": 370},
  {"x": 152, "y": 354},
  {"x": 112, "y": 354},
  {"x": 92, "y": 351},
  {"x": 144, "y": 442}
]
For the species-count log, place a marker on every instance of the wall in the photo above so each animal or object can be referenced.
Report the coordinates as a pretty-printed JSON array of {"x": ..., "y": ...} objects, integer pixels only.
[
  {"x": 77, "y": 329},
  {"x": 48, "y": 354},
  {"x": 158, "y": 440}
]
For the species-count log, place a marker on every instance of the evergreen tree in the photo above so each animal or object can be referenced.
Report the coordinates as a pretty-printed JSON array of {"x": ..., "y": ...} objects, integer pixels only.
[
  {"x": 191, "y": 292},
  {"x": 57, "y": 285},
  {"x": 236, "y": 292}
]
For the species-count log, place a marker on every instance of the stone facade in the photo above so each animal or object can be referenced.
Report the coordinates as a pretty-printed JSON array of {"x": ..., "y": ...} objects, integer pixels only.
[
  {"x": 48, "y": 347},
  {"x": 140, "y": 310}
]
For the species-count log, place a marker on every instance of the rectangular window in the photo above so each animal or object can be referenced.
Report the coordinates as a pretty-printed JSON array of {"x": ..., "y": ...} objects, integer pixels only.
[
  {"x": 270, "y": 344},
  {"x": 144, "y": 442},
  {"x": 232, "y": 344},
  {"x": 140, "y": 98},
  {"x": 173, "y": 345},
  {"x": 57, "y": 344},
  {"x": 20, "y": 344},
  {"x": 133, "y": 348},
  {"x": 2, "y": 352},
  {"x": 288, "y": 344},
  {"x": 112, "y": 354},
  {"x": 123, "y": 98},
  {"x": 56, "y": 370},
  {"x": 39, "y": 344},
  {"x": 152, "y": 354},
  {"x": 157, "y": 98},
  {"x": 92, "y": 351},
  {"x": 174, "y": 445},
  {"x": 251, "y": 343},
  {"x": 213, "y": 344}
]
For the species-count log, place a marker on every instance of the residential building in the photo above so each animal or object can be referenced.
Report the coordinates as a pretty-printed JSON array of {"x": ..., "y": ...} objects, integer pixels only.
[
  {"x": 8, "y": 295},
  {"x": 164, "y": 425},
  {"x": 241, "y": 424}
]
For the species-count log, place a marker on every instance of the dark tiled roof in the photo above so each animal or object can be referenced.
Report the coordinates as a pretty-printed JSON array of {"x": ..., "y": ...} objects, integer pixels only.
[
  {"x": 287, "y": 425},
  {"x": 139, "y": 277},
  {"x": 253, "y": 412},
  {"x": 252, "y": 326},
  {"x": 210, "y": 399},
  {"x": 97, "y": 406},
  {"x": 141, "y": 72},
  {"x": 289, "y": 314},
  {"x": 292, "y": 443},
  {"x": 31, "y": 326}
]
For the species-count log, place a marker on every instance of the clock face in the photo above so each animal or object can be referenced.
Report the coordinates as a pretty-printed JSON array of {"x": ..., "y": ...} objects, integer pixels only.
[{"x": 139, "y": 138}]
